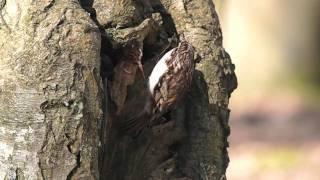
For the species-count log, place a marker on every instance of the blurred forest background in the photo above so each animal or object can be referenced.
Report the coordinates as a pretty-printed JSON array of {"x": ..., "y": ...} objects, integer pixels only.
[{"x": 275, "y": 116}]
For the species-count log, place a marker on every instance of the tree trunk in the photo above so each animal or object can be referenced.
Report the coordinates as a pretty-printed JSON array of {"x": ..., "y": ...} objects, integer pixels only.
[
  {"x": 59, "y": 114},
  {"x": 50, "y": 97}
]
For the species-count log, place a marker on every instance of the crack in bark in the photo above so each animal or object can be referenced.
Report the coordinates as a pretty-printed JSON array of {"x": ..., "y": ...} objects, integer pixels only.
[
  {"x": 74, "y": 170},
  {"x": 51, "y": 3},
  {"x": 2, "y": 5}
]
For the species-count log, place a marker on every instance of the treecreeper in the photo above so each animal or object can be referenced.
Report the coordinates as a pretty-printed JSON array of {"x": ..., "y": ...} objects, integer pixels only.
[{"x": 169, "y": 80}]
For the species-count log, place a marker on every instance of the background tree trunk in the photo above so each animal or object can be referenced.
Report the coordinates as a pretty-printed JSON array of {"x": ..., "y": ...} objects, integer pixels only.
[{"x": 53, "y": 122}]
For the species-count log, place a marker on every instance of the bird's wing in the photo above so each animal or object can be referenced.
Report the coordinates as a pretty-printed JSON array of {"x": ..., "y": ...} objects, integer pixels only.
[{"x": 174, "y": 83}]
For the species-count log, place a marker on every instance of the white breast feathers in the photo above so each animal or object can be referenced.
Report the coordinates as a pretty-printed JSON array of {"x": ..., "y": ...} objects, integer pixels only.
[{"x": 159, "y": 70}]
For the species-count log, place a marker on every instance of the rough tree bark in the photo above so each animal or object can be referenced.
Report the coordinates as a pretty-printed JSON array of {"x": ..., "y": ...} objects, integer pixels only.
[{"x": 59, "y": 113}]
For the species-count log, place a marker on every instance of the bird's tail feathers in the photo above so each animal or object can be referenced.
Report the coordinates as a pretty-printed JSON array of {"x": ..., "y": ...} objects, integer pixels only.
[{"x": 135, "y": 125}]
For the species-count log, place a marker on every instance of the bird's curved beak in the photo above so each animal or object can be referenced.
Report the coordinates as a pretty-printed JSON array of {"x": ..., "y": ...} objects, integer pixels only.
[{"x": 141, "y": 69}]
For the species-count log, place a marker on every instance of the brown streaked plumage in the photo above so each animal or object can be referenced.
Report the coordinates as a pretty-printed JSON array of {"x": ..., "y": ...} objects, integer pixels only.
[
  {"x": 168, "y": 82},
  {"x": 128, "y": 60},
  {"x": 133, "y": 54}
]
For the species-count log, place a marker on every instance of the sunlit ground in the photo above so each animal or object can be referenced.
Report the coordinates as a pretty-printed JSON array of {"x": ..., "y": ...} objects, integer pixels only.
[
  {"x": 275, "y": 112},
  {"x": 272, "y": 162},
  {"x": 274, "y": 139}
]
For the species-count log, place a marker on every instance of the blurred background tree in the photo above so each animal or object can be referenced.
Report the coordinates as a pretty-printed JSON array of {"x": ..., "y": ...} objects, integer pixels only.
[{"x": 275, "y": 111}]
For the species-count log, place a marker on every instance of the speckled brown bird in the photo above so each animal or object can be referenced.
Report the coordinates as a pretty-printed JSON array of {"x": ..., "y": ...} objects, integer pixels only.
[
  {"x": 128, "y": 59},
  {"x": 169, "y": 80},
  {"x": 132, "y": 54}
]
